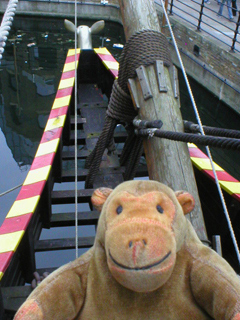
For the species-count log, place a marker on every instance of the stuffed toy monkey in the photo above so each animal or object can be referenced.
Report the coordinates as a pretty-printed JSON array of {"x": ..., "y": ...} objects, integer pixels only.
[{"x": 146, "y": 263}]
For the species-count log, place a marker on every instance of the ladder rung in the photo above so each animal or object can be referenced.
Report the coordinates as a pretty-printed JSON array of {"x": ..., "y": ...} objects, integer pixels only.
[
  {"x": 81, "y": 137},
  {"x": 63, "y": 244},
  {"x": 13, "y": 297},
  {"x": 79, "y": 120},
  {"x": 82, "y": 154},
  {"x": 68, "y": 196},
  {"x": 69, "y": 175},
  {"x": 68, "y": 218},
  {"x": 70, "y": 155}
]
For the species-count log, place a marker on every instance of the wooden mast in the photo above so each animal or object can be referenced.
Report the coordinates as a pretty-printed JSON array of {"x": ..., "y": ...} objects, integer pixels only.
[{"x": 171, "y": 164}]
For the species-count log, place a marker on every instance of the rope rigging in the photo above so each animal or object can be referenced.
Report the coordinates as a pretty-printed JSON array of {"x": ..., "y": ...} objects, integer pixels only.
[
  {"x": 220, "y": 142},
  {"x": 143, "y": 48},
  {"x": 192, "y": 127},
  {"x": 75, "y": 135}
]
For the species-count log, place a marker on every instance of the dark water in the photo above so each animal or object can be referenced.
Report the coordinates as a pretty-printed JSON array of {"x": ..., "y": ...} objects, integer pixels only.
[{"x": 29, "y": 77}]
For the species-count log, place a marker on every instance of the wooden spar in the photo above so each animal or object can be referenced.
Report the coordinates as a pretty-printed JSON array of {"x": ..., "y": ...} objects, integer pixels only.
[
  {"x": 164, "y": 19},
  {"x": 171, "y": 164}
]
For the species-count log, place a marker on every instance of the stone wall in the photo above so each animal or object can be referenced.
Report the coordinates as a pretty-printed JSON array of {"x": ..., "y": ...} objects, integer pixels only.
[
  {"x": 63, "y": 8},
  {"x": 215, "y": 67}
]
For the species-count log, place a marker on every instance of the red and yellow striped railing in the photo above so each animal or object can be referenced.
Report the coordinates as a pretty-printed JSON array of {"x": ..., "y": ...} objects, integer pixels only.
[
  {"x": 19, "y": 216},
  {"x": 202, "y": 162},
  {"x": 108, "y": 60}
]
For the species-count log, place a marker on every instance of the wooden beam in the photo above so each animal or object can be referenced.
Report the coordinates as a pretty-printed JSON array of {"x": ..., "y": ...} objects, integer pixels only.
[
  {"x": 63, "y": 244},
  {"x": 13, "y": 298},
  {"x": 69, "y": 174},
  {"x": 168, "y": 162},
  {"x": 68, "y": 218},
  {"x": 164, "y": 19}
]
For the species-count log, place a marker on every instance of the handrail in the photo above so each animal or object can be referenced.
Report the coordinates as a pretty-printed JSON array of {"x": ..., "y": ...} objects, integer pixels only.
[
  {"x": 199, "y": 14},
  {"x": 79, "y": 2},
  {"x": 6, "y": 24}
]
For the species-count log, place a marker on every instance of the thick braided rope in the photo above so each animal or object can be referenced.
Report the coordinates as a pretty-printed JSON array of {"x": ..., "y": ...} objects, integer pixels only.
[
  {"x": 230, "y": 133},
  {"x": 143, "y": 48},
  {"x": 95, "y": 158},
  {"x": 120, "y": 105},
  {"x": 219, "y": 142}
]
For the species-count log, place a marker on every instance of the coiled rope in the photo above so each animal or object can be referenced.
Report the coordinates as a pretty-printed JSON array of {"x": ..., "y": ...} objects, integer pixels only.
[
  {"x": 203, "y": 133},
  {"x": 6, "y": 24},
  {"x": 143, "y": 48}
]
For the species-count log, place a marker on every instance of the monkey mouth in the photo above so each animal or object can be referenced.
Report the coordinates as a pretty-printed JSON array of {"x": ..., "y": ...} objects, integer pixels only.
[{"x": 140, "y": 268}]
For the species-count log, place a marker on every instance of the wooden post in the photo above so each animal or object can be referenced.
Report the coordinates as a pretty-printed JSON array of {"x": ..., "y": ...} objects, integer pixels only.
[
  {"x": 168, "y": 161},
  {"x": 164, "y": 19}
]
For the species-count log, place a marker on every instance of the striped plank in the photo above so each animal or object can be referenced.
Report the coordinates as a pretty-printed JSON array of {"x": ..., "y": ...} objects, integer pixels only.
[
  {"x": 226, "y": 181},
  {"x": 19, "y": 216},
  {"x": 108, "y": 60}
]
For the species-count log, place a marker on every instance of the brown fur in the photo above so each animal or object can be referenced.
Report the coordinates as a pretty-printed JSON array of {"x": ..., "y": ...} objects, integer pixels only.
[{"x": 145, "y": 264}]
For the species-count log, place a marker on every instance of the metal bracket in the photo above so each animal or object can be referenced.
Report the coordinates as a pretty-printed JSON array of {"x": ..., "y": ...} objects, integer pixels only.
[
  {"x": 143, "y": 124},
  {"x": 144, "y": 83},
  {"x": 216, "y": 243},
  {"x": 175, "y": 83},
  {"x": 161, "y": 76},
  {"x": 133, "y": 91}
]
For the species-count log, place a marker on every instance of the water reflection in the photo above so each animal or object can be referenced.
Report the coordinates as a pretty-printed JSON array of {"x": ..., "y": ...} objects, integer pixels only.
[{"x": 29, "y": 75}]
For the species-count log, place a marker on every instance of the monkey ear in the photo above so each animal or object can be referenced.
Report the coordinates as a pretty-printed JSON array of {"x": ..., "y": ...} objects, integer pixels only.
[
  {"x": 186, "y": 200},
  {"x": 97, "y": 26},
  {"x": 99, "y": 197},
  {"x": 69, "y": 25}
]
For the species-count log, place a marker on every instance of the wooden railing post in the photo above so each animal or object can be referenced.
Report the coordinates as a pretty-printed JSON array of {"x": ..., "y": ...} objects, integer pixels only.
[
  {"x": 164, "y": 19},
  {"x": 168, "y": 162},
  {"x": 200, "y": 16},
  {"x": 235, "y": 33},
  {"x": 171, "y": 7}
]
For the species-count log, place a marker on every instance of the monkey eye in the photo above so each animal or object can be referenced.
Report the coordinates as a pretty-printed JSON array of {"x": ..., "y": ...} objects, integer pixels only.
[
  {"x": 159, "y": 208},
  {"x": 119, "y": 209}
]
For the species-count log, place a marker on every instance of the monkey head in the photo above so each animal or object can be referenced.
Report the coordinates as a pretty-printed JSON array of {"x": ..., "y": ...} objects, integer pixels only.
[{"x": 142, "y": 226}]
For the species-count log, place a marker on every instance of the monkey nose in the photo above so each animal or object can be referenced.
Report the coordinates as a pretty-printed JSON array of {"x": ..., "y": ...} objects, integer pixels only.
[
  {"x": 137, "y": 249},
  {"x": 140, "y": 243}
]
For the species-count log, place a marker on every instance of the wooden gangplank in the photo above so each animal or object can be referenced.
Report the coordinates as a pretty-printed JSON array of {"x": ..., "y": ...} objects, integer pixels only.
[{"x": 92, "y": 99}]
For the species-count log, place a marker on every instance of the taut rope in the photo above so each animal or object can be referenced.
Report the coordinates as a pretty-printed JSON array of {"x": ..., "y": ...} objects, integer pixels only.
[{"x": 75, "y": 138}]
